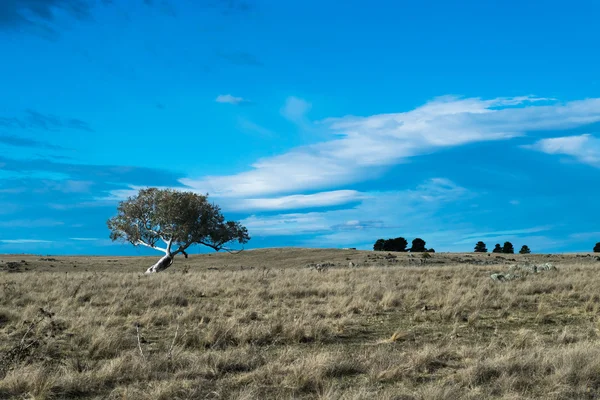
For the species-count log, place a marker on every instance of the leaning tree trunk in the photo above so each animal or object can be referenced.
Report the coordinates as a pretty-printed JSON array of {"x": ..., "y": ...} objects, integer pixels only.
[{"x": 165, "y": 262}]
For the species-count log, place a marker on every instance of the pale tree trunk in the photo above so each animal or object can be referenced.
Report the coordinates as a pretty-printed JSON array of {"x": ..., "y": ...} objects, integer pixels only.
[{"x": 165, "y": 262}]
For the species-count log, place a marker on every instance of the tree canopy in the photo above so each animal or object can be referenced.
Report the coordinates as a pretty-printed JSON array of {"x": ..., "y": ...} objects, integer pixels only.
[
  {"x": 178, "y": 219},
  {"x": 480, "y": 247},
  {"x": 508, "y": 248},
  {"x": 379, "y": 244},
  {"x": 597, "y": 248},
  {"x": 418, "y": 246},
  {"x": 396, "y": 244},
  {"x": 497, "y": 248},
  {"x": 524, "y": 249}
]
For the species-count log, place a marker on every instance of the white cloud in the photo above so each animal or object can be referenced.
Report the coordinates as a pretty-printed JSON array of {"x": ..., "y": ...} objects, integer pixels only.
[
  {"x": 322, "y": 199},
  {"x": 84, "y": 239},
  {"x": 499, "y": 235},
  {"x": 24, "y": 241},
  {"x": 365, "y": 146},
  {"x": 69, "y": 186},
  {"x": 386, "y": 212},
  {"x": 398, "y": 213},
  {"x": 295, "y": 109},
  {"x": 584, "y": 148},
  {"x": 30, "y": 223},
  {"x": 249, "y": 126},
  {"x": 287, "y": 224},
  {"x": 229, "y": 99},
  {"x": 586, "y": 236}
]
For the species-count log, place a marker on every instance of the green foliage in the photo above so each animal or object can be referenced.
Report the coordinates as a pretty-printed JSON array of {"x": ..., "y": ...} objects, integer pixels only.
[
  {"x": 508, "y": 248},
  {"x": 418, "y": 246},
  {"x": 397, "y": 244},
  {"x": 179, "y": 218},
  {"x": 497, "y": 248},
  {"x": 597, "y": 248},
  {"x": 480, "y": 247},
  {"x": 524, "y": 250}
]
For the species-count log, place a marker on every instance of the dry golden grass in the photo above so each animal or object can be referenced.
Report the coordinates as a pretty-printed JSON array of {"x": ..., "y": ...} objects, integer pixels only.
[{"x": 262, "y": 325}]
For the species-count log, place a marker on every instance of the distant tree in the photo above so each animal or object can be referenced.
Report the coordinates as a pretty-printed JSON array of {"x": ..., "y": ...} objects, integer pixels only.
[
  {"x": 497, "y": 248},
  {"x": 399, "y": 244},
  {"x": 430, "y": 250},
  {"x": 418, "y": 246},
  {"x": 396, "y": 244},
  {"x": 524, "y": 250},
  {"x": 178, "y": 219},
  {"x": 480, "y": 247},
  {"x": 378, "y": 246},
  {"x": 508, "y": 248},
  {"x": 597, "y": 248}
]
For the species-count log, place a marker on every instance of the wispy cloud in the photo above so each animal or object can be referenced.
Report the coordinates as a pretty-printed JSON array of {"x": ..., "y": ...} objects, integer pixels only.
[
  {"x": 585, "y": 236},
  {"x": 252, "y": 127},
  {"x": 482, "y": 235},
  {"x": 37, "y": 120},
  {"x": 81, "y": 175},
  {"x": 69, "y": 186},
  {"x": 295, "y": 109},
  {"x": 229, "y": 99},
  {"x": 366, "y": 145},
  {"x": 298, "y": 201},
  {"x": 78, "y": 239},
  {"x": 397, "y": 208},
  {"x": 25, "y": 142},
  {"x": 24, "y": 241},
  {"x": 30, "y": 223},
  {"x": 38, "y": 15},
  {"x": 584, "y": 148}
]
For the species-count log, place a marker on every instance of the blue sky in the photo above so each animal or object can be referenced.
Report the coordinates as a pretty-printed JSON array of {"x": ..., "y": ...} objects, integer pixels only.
[{"x": 313, "y": 123}]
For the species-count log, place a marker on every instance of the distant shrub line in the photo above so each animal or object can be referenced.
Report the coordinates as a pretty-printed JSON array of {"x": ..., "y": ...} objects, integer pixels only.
[{"x": 400, "y": 244}]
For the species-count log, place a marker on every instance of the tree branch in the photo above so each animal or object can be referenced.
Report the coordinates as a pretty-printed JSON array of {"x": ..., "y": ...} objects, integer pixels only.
[
  {"x": 230, "y": 251},
  {"x": 182, "y": 249},
  {"x": 148, "y": 245},
  {"x": 217, "y": 248}
]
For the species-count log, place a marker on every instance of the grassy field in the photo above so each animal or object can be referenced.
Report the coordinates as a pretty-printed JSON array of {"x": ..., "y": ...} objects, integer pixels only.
[{"x": 261, "y": 325}]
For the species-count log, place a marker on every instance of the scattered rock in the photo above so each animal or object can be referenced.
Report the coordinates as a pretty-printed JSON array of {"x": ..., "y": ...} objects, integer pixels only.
[
  {"x": 320, "y": 267},
  {"x": 517, "y": 271}
]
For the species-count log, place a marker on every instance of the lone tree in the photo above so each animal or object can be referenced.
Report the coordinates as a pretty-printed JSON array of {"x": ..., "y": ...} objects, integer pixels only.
[
  {"x": 597, "y": 248},
  {"x": 178, "y": 219},
  {"x": 497, "y": 248},
  {"x": 508, "y": 248},
  {"x": 480, "y": 247},
  {"x": 524, "y": 250},
  {"x": 418, "y": 246}
]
